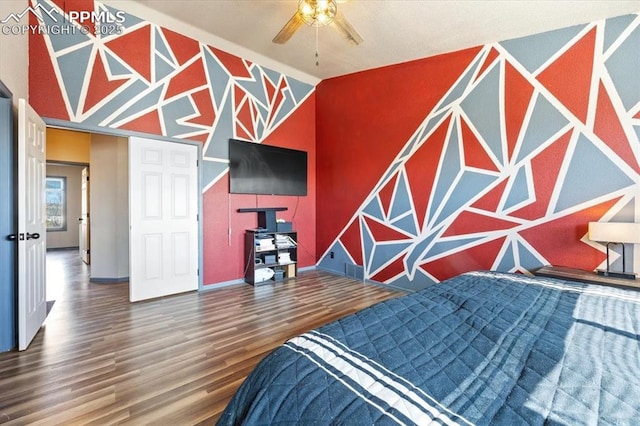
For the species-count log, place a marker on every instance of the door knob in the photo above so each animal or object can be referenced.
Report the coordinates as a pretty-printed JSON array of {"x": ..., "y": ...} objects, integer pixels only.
[
  {"x": 33, "y": 236},
  {"x": 12, "y": 237}
]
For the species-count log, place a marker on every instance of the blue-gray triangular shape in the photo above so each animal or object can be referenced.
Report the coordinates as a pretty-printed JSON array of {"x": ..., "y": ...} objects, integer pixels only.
[
  {"x": 368, "y": 244},
  {"x": 74, "y": 38},
  {"x": 448, "y": 172},
  {"x": 545, "y": 122},
  {"x": 528, "y": 260},
  {"x": 148, "y": 101},
  {"x": 433, "y": 123},
  {"x": 401, "y": 200},
  {"x": 482, "y": 106},
  {"x": 116, "y": 68},
  {"x": 285, "y": 108},
  {"x": 385, "y": 252},
  {"x": 460, "y": 87},
  {"x": 72, "y": 68},
  {"x": 626, "y": 214},
  {"x": 508, "y": 262},
  {"x": 533, "y": 51},
  {"x": 637, "y": 130},
  {"x": 255, "y": 87},
  {"x": 407, "y": 224},
  {"x": 263, "y": 112},
  {"x": 132, "y": 91},
  {"x": 218, "y": 76},
  {"x": 259, "y": 129},
  {"x": 623, "y": 69},
  {"x": 470, "y": 185},
  {"x": 407, "y": 150},
  {"x": 211, "y": 170},
  {"x": 415, "y": 256},
  {"x": 374, "y": 209},
  {"x": 590, "y": 175},
  {"x": 519, "y": 191},
  {"x": 614, "y": 27},
  {"x": 161, "y": 47},
  {"x": 299, "y": 89},
  {"x": 442, "y": 247},
  {"x": 273, "y": 76},
  {"x": 392, "y": 170},
  {"x": 173, "y": 112},
  {"x": 218, "y": 146},
  {"x": 162, "y": 68},
  {"x": 340, "y": 259}
]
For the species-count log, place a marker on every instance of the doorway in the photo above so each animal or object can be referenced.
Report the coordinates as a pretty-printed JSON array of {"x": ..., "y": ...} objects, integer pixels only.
[{"x": 110, "y": 212}]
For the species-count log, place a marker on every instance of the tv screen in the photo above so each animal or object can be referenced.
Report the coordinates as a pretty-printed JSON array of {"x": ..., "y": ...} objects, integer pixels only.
[{"x": 262, "y": 169}]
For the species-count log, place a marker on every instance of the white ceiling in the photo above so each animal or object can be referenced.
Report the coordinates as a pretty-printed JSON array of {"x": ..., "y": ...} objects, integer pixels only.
[{"x": 394, "y": 31}]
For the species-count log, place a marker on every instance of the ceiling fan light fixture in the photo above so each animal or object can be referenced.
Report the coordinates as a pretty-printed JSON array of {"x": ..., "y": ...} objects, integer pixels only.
[{"x": 317, "y": 13}]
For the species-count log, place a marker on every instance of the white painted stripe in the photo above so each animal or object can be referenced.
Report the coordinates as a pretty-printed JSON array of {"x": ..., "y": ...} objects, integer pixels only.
[
  {"x": 346, "y": 384},
  {"x": 376, "y": 381},
  {"x": 376, "y": 367}
]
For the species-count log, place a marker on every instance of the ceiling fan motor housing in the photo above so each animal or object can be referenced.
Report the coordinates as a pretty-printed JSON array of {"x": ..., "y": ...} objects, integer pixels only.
[{"x": 317, "y": 13}]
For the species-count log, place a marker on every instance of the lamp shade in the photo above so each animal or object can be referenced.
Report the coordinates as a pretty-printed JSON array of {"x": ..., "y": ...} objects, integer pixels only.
[{"x": 614, "y": 232}]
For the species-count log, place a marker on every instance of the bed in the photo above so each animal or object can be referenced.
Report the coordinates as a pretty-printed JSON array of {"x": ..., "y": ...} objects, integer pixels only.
[{"x": 481, "y": 348}]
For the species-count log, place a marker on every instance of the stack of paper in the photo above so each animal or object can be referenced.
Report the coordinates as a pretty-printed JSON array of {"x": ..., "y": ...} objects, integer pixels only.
[{"x": 265, "y": 244}]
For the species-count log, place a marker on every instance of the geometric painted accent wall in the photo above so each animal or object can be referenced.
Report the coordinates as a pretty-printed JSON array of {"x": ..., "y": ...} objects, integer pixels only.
[
  {"x": 535, "y": 138},
  {"x": 150, "y": 79}
]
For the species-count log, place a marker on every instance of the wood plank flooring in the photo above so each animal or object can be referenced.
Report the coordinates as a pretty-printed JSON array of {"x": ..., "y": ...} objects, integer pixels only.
[{"x": 171, "y": 361}]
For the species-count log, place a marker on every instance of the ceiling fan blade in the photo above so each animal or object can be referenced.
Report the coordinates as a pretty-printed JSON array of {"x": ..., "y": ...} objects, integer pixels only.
[
  {"x": 289, "y": 29},
  {"x": 346, "y": 30}
]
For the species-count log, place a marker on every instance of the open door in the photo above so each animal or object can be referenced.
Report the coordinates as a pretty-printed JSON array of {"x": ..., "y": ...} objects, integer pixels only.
[
  {"x": 85, "y": 227},
  {"x": 163, "y": 216},
  {"x": 32, "y": 230}
]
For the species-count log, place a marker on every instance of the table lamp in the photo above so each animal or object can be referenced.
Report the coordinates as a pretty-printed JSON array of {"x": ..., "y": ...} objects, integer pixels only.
[{"x": 615, "y": 233}]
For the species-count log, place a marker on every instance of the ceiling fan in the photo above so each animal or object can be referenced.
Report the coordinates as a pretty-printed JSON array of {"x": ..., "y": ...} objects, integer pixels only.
[{"x": 319, "y": 13}]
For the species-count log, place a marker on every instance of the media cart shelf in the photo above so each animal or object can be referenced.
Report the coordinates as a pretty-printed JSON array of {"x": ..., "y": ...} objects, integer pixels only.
[{"x": 267, "y": 251}]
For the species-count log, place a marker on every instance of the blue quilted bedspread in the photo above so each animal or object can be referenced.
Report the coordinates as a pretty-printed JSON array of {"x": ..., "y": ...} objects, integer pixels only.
[{"x": 482, "y": 348}]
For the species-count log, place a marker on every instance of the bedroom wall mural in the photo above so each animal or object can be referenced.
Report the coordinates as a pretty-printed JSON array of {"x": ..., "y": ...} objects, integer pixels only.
[
  {"x": 142, "y": 77},
  {"x": 536, "y": 137}
]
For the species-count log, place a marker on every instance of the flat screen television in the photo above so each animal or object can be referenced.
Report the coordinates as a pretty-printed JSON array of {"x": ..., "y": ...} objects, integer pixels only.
[{"x": 262, "y": 169}]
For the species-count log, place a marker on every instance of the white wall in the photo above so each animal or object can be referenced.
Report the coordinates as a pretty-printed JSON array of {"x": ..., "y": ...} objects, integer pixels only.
[
  {"x": 109, "y": 201},
  {"x": 14, "y": 54},
  {"x": 70, "y": 237}
]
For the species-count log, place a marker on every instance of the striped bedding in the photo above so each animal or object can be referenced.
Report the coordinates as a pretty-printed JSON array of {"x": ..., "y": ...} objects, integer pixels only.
[{"x": 483, "y": 348}]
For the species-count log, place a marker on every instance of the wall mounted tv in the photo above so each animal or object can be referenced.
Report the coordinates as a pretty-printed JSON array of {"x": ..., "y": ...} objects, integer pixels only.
[{"x": 262, "y": 169}]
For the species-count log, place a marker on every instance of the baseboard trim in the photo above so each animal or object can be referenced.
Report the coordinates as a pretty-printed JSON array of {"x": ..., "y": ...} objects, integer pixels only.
[
  {"x": 108, "y": 280},
  {"x": 222, "y": 284}
]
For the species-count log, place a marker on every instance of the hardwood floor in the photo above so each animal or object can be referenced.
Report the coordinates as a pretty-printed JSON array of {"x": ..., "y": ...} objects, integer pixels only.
[{"x": 172, "y": 361}]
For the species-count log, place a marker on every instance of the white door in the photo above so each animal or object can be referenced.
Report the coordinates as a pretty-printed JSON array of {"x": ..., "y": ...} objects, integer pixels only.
[
  {"x": 163, "y": 215},
  {"x": 84, "y": 245},
  {"x": 32, "y": 231}
]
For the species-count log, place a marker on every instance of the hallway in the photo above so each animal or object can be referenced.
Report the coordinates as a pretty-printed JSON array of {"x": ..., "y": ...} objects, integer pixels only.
[{"x": 65, "y": 272}]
